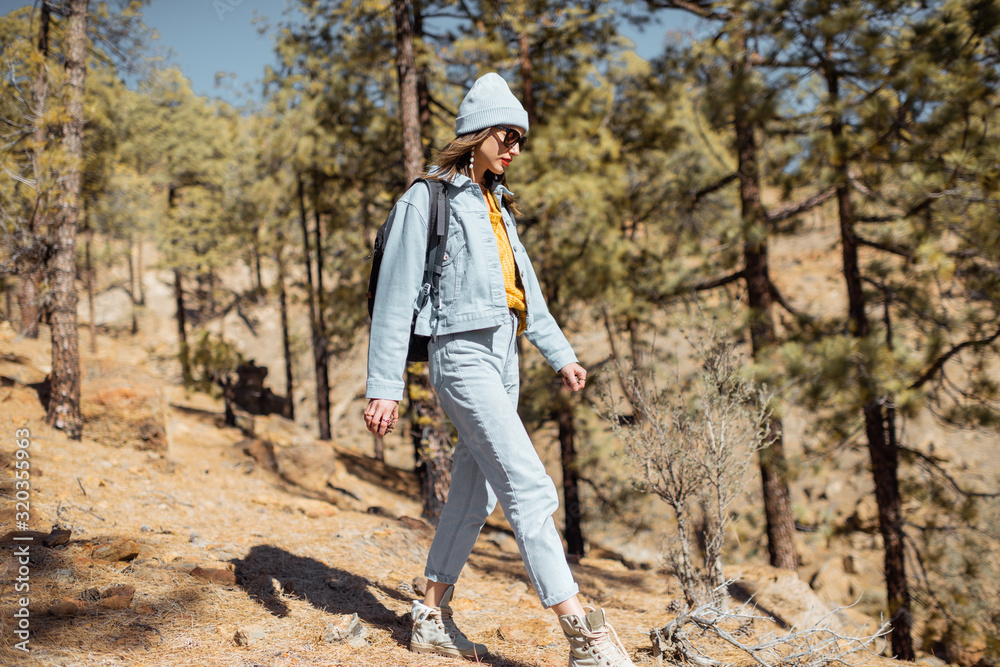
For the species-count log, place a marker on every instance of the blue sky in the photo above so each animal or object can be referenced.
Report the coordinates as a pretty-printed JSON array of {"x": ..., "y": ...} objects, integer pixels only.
[{"x": 205, "y": 37}]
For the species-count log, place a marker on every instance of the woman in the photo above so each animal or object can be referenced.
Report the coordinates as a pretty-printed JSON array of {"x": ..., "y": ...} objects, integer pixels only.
[{"x": 488, "y": 295}]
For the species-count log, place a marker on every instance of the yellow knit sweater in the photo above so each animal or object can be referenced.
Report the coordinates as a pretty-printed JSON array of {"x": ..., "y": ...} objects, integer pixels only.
[{"x": 511, "y": 278}]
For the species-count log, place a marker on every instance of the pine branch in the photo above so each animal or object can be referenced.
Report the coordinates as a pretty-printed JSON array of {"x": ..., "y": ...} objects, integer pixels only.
[
  {"x": 696, "y": 7},
  {"x": 792, "y": 210},
  {"x": 614, "y": 355},
  {"x": 780, "y": 299},
  {"x": 433, "y": 100},
  {"x": 939, "y": 469},
  {"x": 788, "y": 64},
  {"x": 910, "y": 212},
  {"x": 660, "y": 298},
  {"x": 888, "y": 291},
  {"x": 712, "y": 284},
  {"x": 445, "y": 15},
  {"x": 944, "y": 358},
  {"x": 893, "y": 249},
  {"x": 709, "y": 189}
]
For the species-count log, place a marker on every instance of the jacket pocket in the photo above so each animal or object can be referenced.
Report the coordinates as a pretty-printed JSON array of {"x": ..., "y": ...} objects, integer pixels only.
[{"x": 453, "y": 268}]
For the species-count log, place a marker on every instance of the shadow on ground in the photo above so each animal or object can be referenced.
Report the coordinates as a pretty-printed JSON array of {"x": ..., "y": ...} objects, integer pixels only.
[
  {"x": 329, "y": 589},
  {"x": 93, "y": 631}
]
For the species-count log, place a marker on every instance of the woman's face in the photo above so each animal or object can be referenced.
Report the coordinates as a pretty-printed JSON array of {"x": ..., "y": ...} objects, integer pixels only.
[{"x": 494, "y": 154}]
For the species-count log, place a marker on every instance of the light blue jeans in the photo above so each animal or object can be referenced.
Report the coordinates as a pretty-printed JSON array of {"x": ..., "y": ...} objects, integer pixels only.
[{"x": 475, "y": 375}]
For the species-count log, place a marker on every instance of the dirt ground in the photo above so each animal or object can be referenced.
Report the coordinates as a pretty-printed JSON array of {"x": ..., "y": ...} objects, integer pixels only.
[{"x": 276, "y": 564}]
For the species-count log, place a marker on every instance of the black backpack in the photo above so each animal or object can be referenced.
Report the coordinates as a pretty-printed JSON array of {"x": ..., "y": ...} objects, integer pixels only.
[{"x": 437, "y": 235}]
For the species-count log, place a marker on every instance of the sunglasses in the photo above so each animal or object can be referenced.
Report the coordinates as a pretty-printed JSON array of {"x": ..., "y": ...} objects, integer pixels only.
[{"x": 512, "y": 137}]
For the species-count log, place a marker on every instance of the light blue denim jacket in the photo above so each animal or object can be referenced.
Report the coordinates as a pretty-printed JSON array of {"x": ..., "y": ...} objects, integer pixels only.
[{"x": 472, "y": 291}]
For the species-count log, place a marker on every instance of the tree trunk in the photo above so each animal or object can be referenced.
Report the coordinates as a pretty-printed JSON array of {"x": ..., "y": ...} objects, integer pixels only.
[
  {"x": 64, "y": 402},
  {"x": 183, "y": 354},
  {"x": 307, "y": 255},
  {"x": 771, "y": 459},
  {"x": 683, "y": 560},
  {"x": 27, "y": 302},
  {"x": 286, "y": 343},
  {"x": 257, "y": 272},
  {"x": 317, "y": 344},
  {"x": 321, "y": 355},
  {"x": 883, "y": 449},
  {"x": 527, "y": 75},
  {"x": 90, "y": 291},
  {"x": 138, "y": 273},
  {"x": 228, "y": 401},
  {"x": 884, "y": 455},
  {"x": 8, "y": 303},
  {"x": 432, "y": 445},
  {"x": 407, "y": 72},
  {"x": 572, "y": 532},
  {"x": 423, "y": 91},
  {"x": 640, "y": 366},
  {"x": 565, "y": 416},
  {"x": 210, "y": 293},
  {"x": 131, "y": 286},
  {"x": 30, "y": 269}
]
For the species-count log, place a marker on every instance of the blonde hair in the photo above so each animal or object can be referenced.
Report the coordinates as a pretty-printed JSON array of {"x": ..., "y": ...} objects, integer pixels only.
[{"x": 455, "y": 157}]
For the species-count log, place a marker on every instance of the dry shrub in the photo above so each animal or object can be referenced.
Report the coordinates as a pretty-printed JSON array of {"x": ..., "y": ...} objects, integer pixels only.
[{"x": 693, "y": 448}]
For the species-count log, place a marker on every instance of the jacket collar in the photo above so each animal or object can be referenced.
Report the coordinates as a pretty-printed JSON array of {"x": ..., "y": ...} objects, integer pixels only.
[{"x": 461, "y": 181}]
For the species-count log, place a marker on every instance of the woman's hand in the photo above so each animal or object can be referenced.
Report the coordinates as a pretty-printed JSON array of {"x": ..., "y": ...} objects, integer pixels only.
[
  {"x": 574, "y": 376},
  {"x": 381, "y": 415}
]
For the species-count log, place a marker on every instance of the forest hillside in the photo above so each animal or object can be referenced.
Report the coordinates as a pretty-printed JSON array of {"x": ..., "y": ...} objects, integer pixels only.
[
  {"x": 165, "y": 537},
  {"x": 772, "y": 241}
]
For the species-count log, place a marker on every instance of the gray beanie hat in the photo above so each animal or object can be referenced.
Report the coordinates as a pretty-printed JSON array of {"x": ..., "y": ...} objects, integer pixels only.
[{"x": 489, "y": 102}]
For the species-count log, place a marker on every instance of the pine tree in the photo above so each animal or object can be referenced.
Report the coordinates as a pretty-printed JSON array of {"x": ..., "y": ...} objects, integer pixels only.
[
  {"x": 195, "y": 140},
  {"x": 30, "y": 272},
  {"x": 29, "y": 149},
  {"x": 360, "y": 115},
  {"x": 63, "y": 410},
  {"x": 728, "y": 67},
  {"x": 900, "y": 86}
]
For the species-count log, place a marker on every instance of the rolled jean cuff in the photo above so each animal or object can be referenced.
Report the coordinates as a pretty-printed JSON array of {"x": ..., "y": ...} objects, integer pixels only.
[
  {"x": 560, "y": 597},
  {"x": 440, "y": 578}
]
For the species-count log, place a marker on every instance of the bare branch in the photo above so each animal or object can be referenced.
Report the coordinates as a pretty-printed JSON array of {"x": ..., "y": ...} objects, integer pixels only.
[
  {"x": 821, "y": 645},
  {"x": 614, "y": 354}
]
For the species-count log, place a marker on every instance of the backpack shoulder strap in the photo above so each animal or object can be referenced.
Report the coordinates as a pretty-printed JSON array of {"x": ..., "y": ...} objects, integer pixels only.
[{"x": 440, "y": 219}]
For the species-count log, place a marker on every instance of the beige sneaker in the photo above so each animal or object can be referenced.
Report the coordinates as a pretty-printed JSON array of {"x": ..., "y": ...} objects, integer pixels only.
[
  {"x": 434, "y": 631},
  {"x": 593, "y": 642}
]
